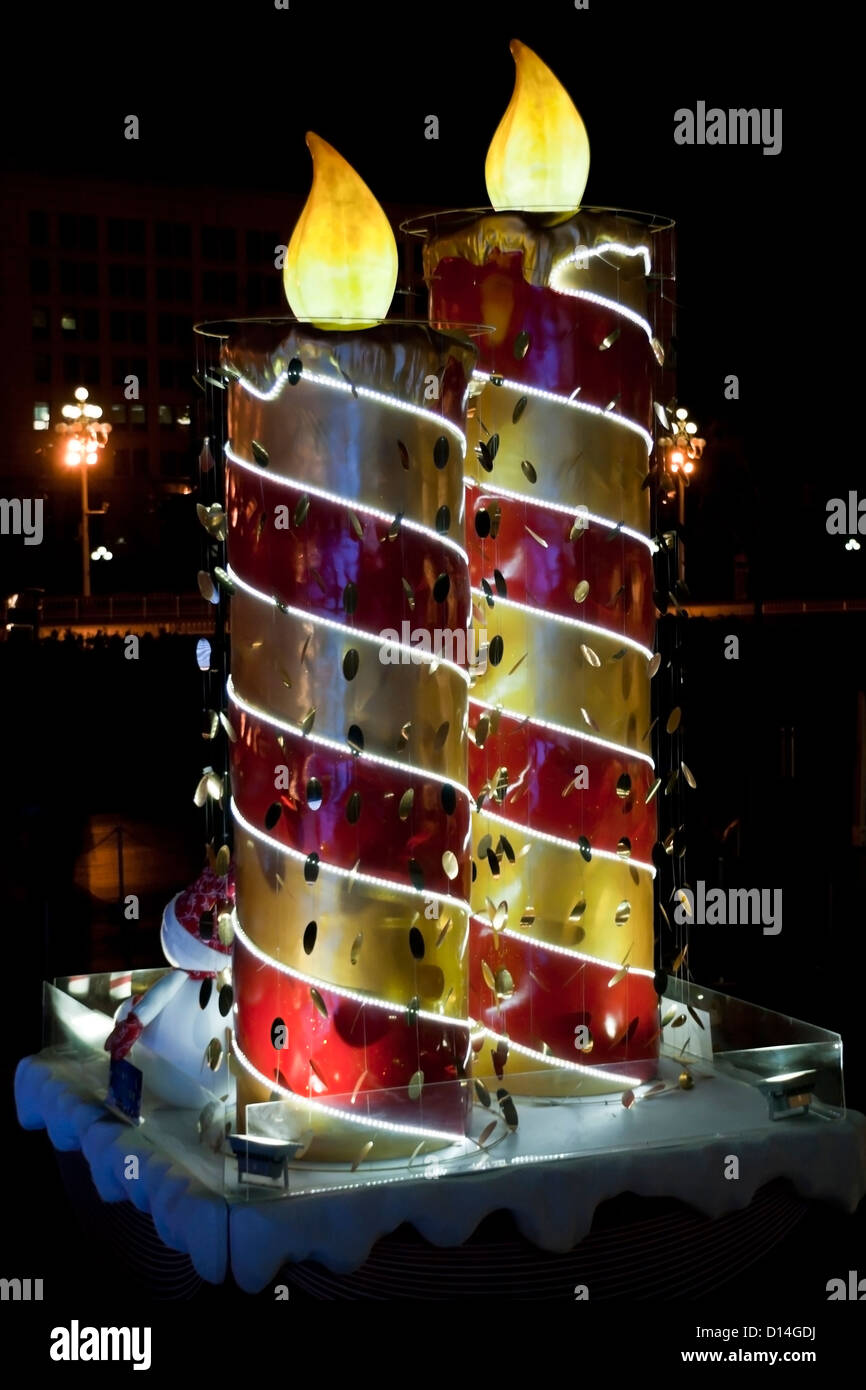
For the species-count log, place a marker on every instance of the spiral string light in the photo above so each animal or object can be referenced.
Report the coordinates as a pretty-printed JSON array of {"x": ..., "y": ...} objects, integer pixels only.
[
  {"x": 349, "y": 795},
  {"x": 561, "y": 561}
]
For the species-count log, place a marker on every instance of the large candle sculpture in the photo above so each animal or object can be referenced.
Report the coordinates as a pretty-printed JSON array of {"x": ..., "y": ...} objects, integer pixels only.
[
  {"x": 561, "y": 568},
  {"x": 345, "y": 508}
]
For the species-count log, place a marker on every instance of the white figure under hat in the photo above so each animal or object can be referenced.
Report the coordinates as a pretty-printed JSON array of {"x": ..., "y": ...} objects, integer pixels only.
[{"x": 182, "y": 1019}]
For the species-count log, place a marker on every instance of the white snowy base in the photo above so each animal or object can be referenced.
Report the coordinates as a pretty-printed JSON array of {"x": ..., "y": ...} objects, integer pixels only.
[{"x": 676, "y": 1145}]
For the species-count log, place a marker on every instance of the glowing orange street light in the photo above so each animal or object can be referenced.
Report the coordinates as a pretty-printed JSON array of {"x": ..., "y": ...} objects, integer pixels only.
[
  {"x": 681, "y": 449},
  {"x": 86, "y": 434}
]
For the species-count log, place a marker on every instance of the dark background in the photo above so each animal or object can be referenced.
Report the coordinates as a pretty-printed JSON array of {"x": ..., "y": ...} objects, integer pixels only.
[{"x": 224, "y": 96}]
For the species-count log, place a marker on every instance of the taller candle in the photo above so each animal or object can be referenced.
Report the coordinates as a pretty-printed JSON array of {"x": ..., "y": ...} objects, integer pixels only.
[{"x": 561, "y": 955}]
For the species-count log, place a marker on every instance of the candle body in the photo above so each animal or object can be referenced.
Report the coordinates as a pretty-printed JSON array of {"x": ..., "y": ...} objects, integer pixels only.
[
  {"x": 562, "y": 938},
  {"x": 344, "y": 506}
]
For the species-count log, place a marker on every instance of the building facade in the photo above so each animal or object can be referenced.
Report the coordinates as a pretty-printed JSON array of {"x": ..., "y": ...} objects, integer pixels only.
[{"x": 100, "y": 286}]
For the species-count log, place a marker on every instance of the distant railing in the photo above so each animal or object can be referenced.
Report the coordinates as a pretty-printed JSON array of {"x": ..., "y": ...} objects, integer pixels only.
[{"x": 59, "y": 611}]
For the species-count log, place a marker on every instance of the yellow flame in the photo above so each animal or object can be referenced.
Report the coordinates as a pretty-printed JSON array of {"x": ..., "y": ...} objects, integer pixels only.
[
  {"x": 342, "y": 259},
  {"x": 539, "y": 157}
]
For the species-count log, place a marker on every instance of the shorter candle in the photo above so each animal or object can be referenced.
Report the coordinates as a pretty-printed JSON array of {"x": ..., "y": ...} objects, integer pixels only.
[{"x": 344, "y": 504}]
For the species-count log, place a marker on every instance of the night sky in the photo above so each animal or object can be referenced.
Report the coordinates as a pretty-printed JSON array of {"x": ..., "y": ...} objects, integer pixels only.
[{"x": 225, "y": 94}]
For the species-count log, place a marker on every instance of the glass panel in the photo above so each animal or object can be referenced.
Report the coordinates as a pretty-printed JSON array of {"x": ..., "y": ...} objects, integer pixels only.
[{"x": 739, "y": 1068}]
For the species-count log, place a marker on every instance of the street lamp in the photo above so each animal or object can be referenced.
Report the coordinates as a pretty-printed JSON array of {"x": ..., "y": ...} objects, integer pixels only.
[
  {"x": 682, "y": 449},
  {"x": 86, "y": 434}
]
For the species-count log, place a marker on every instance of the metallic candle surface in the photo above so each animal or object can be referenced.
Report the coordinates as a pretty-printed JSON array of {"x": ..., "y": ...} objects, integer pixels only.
[
  {"x": 561, "y": 951},
  {"x": 344, "y": 504}
]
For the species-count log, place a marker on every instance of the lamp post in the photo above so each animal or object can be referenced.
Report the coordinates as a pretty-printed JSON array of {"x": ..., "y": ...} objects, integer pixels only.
[
  {"x": 682, "y": 450},
  {"x": 86, "y": 433}
]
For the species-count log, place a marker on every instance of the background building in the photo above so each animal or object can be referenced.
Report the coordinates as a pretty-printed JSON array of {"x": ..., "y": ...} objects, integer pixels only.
[{"x": 100, "y": 282}]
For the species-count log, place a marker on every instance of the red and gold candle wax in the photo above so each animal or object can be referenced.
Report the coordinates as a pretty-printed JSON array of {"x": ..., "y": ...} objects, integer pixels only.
[
  {"x": 344, "y": 505},
  {"x": 557, "y": 521}
]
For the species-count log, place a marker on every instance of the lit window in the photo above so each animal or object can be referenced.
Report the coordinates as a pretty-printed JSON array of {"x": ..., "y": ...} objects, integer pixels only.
[
  {"x": 183, "y": 416},
  {"x": 41, "y": 415},
  {"x": 166, "y": 415},
  {"x": 137, "y": 416},
  {"x": 40, "y": 323},
  {"x": 68, "y": 323},
  {"x": 118, "y": 415}
]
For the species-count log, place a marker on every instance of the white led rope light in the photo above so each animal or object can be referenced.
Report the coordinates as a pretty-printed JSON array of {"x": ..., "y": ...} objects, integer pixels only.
[
  {"x": 570, "y": 404},
  {"x": 575, "y": 513},
  {"x": 356, "y": 876},
  {"x": 325, "y": 496},
  {"x": 564, "y": 729},
  {"x": 545, "y": 613},
  {"x": 424, "y": 658},
  {"x": 607, "y": 854},
  {"x": 586, "y": 253},
  {"x": 562, "y": 950},
  {"x": 612, "y": 305},
  {"x": 334, "y": 745},
  {"x": 332, "y": 1111},
  {"x": 557, "y": 1062},
  {"x": 365, "y": 392},
  {"x": 355, "y": 995}
]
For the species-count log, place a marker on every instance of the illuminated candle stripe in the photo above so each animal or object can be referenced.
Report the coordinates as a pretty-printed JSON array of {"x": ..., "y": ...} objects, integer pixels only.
[
  {"x": 527, "y": 830},
  {"x": 300, "y": 485},
  {"x": 570, "y": 404},
  {"x": 612, "y": 305},
  {"x": 365, "y": 392},
  {"x": 333, "y": 745},
  {"x": 418, "y": 656},
  {"x": 561, "y": 950},
  {"x": 546, "y": 613},
  {"x": 559, "y": 1062},
  {"x": 390, "y": 885},
  {"x": 355, "y": 995},
  {"x": 585, "y": 253},
  {"x": 564, "y": 729},
  {"x": 575, "y": 513},
  {"x": 332, "y": 1112}
]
